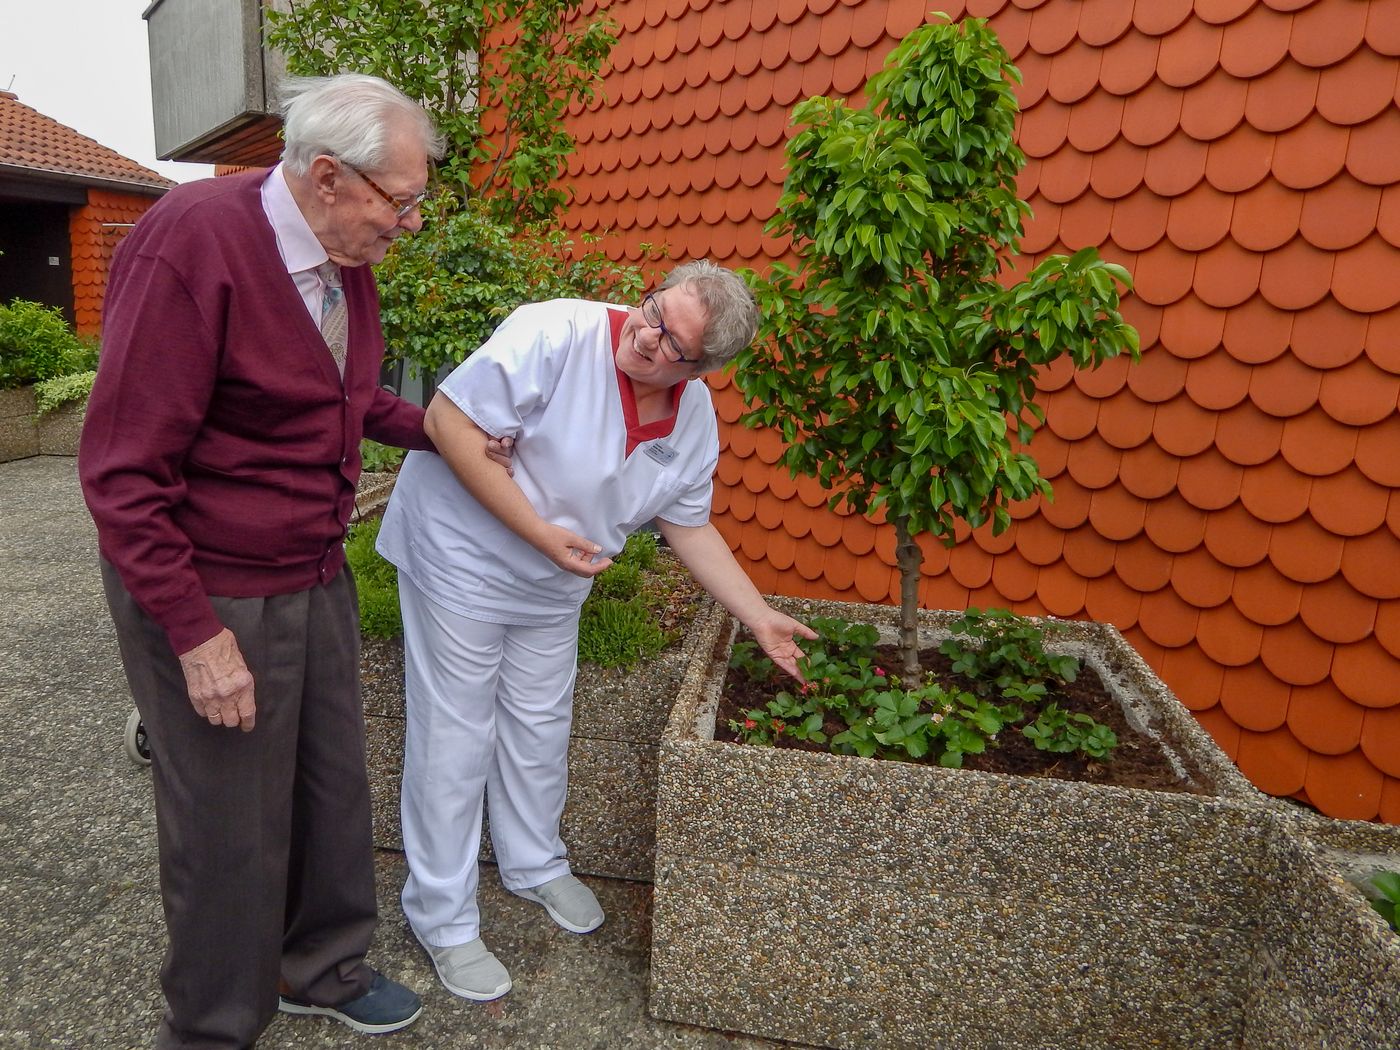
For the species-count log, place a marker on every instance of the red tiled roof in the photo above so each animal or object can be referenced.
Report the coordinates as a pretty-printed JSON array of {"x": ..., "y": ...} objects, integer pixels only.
[
  {"x": 28, "y": 139},
  {"x": 1229, "y": 501}
]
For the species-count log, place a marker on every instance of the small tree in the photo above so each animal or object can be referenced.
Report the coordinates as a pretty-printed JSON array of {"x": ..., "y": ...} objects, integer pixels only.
[{"x": 898, "y": 370}]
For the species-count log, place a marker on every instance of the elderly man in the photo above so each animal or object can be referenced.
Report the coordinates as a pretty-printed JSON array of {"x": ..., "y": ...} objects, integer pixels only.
[{"x": 239, "y": 371}]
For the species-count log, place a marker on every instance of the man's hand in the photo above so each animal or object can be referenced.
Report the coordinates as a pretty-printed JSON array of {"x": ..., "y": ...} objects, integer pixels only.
[
  {"x": 777, "y": 634},
  {"x": 499, "y": 451},
  {"x": 220, "y": 685},
  {"x": 572, "y": 552}
]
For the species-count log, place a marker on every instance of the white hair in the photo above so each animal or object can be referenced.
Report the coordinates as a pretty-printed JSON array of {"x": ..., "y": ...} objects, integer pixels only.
[
  {"x": 731, "y": 315},
  {"x": 349, "y": 116}
]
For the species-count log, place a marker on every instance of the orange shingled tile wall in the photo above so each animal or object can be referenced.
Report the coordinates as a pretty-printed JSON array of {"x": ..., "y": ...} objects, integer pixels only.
[
  {"x": 1230, "y": 501},
  {"x": 94, "y": 231}
]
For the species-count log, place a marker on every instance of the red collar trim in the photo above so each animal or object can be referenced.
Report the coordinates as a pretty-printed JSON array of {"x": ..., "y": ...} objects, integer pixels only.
[{"x": 638, "y": 432}]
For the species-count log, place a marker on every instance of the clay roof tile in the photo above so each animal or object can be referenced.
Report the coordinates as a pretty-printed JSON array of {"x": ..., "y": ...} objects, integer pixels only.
[
  {"x": 1129, "y": 64},
  {"x": 1014, "y": 577},
  {"x": 1265, "y": 596},
  {"x": 1176, "y": 165},
  {"x": 1375, "y": 451},
  {"x": 1371, "y": 564},
  {"x": 1217, "y": 381},
  {"x": 1061, "y": 590},
  {"x": 1274, "y": 761},
  {"x": 1358, "y": 89},
  {"x": 1074, "y": 73},
  {"x": 1149, "y": 472},
  {"x": 1227, "y": 275},
  {"x": 1101, "y": 22},
  {"x": 1174, "y": 525},
  {"x": 1201, "y": 580},
  {"x": 1324, "y": 34},
  {"x": 1370, "y": 153},
  {"x": 876, "y": 582},
  {"x": 1296, "y": 655},
  {"x": 1183, "y": 428},
  {"x": 1215, "y": 108},
  {"x": 1361, "y": 395},
  {"x": 1304, "y": 551},
  {"x": 1364, "y": 276},
  {"x": 1346, "y": 787},
  {"x": 1070, "y": 414},
  {"x": 1191, "y": 328},
  {"x": 1274, "y": 491},
  {"x": 1387, "y": 630},
  {"x": 1093, "y": 463},
  {"x": 1335, "y": 612},
  {"x": 1064, "y": 175},
  {"x": 1209, "y": 480},
  {"x": 1108, "y": 600},
  {"x": 1324, "y": 719},
  {"x": 1190, "y": 53},
  {"x": 1221, "y": 728},
  {"x": 1201, "y": 218},
  {"x": 1255, "y": 43},
  {"x": 1313, "y": 443},
  {"x": 1383, "y": 340},
  {"x": 1142, "y": 565},
  {"x": 1162, "y": 17},
  {"x": 1069, "y": 507},
  {"x": 970, "y": 565},
  {"x": 1152, "y": 114},
  {"x": 1164, "y": 273},
  {"x": 1254, "y": 698},
  {"x": 1348, "y": 503},
  {"x": 1367, "y": 673},
  {"x": 1228, "y": 638},
  {"x": 1139, "y": 219},
  {"x": 1118, "y": 169},
  {"x": 1383, "y": 27},
  {"x": 1240, "y": 160},
  {"x": 1282, "y": 98},
  {"x": 1236, "y": 538},
  {"x": 1380, "y": 739},
  {"x": 1124, "y": 421},
  {"x": 1167, "y": 620},
  {"x": 1192, "y": 676},
  {"x": 1158, "y": 376},
  {"x": 1221, "y": 12}
]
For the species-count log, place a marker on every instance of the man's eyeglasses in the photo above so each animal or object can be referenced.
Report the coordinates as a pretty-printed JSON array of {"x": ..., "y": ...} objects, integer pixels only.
[
  {"x": 401, "y": 207},
  {"x": 651, "y": 314}
]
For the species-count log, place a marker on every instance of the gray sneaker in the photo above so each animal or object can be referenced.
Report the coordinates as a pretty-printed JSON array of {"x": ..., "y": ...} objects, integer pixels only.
[
  {"x": 468, "y": 970},
  {"x": 569, "y": 902}
]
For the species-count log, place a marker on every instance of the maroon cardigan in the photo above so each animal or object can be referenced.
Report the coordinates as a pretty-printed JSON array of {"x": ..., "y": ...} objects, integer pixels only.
[{"x": 221, "y": 450}]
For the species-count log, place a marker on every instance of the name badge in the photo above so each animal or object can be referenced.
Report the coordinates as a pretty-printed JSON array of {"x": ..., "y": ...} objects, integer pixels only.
[{"x": 661, "y": 452}]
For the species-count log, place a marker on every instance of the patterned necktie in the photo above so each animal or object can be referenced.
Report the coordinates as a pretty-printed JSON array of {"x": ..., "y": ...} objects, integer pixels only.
[{"x": 335, "y": 317}]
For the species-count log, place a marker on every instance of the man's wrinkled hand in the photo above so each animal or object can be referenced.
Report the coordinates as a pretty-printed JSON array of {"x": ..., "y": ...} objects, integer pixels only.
[{"x": 219, "y": 683}]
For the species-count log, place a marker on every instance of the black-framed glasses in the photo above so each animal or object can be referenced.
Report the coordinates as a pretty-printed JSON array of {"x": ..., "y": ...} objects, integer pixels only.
[
  {"x": 651, "y": 314},
  {"x": 401, "y": 207}
]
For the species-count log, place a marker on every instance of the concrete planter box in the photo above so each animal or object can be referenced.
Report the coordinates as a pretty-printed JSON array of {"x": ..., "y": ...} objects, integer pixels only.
[
  {"x": 850, "y": 902},
  {"x": 24, "y": 433},
  {"x": 18, "y": 437}
]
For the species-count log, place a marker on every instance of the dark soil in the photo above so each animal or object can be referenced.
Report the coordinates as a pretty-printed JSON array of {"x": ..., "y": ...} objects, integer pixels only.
[{"x": 1137, "y": 761}]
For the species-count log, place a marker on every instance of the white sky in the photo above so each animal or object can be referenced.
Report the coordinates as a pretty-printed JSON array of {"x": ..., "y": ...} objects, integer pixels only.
[{"x": 85, "y": 64}]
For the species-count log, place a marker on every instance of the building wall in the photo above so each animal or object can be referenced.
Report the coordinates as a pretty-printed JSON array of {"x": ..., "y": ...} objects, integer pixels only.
[
  {"x": 1230, "y": 501},
  {"x": 96, "y": 229}
]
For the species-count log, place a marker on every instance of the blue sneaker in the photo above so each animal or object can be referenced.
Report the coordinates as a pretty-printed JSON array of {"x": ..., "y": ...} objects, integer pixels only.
[{"x": 386, "y": 1007}]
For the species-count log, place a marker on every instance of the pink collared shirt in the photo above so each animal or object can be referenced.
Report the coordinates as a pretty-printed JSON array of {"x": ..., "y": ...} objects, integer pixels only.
[{"x": 300, "y": 250}]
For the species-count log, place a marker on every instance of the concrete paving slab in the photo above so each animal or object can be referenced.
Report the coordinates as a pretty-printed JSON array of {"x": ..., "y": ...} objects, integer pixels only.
[{"x": 81, "y": 935}]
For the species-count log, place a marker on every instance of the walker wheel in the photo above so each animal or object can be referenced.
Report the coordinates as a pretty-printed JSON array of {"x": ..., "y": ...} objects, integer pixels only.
[{"x": 138, "y": 745}]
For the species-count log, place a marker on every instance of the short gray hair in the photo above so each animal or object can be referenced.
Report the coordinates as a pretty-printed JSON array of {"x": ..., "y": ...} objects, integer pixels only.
[
  {"x": 349, "y": 116},
  {"x": 731, "y": 315}
]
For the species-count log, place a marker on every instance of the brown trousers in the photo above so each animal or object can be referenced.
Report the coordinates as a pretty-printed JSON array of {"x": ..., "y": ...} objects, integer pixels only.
[{"x": 266, "y": 863}]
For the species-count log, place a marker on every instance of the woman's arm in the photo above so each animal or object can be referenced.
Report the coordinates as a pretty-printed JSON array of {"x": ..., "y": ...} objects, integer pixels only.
[
  {"x": 703, "y": 551},
  {"x": 463, "y": 445}
]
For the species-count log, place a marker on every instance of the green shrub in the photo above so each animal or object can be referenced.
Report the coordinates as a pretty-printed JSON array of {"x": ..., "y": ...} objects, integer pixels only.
[
  {"x": 640, "y": 550},
  {"x": 377, "y": 458},
  {"x": 614, "y": 633},
  {"x": 52, "y": 393},
  {"x": 376, "y": 580},
  {"x": 36, "y": 344},
  {"x": 621, "y": 580}
]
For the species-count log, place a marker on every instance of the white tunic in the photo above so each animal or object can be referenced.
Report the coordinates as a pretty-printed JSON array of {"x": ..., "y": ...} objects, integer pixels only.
[{"x": 546, "y": 377}]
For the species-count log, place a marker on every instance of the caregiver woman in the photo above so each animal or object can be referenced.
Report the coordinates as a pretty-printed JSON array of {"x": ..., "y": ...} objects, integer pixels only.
[{"x": 611, "y": 432}]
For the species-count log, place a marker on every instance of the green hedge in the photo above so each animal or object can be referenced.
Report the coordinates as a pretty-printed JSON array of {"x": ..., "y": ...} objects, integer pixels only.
[{"x": 37, "y": 344}]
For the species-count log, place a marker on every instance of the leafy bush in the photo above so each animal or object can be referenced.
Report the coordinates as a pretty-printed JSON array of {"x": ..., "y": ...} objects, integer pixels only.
[
  {"x": 37, "y": 344},
  {"x": 622, "y": 580},
  {"x": 1387, "y": 900},
  {"x": 376, "y": 580},
  {"x": 52, "y": 393},
  {"x": 886, "y": 715},
  {"x": 617, "y": 633},
  {"x": 443, "y": 291},
  {"x": 377, "y": 458}
]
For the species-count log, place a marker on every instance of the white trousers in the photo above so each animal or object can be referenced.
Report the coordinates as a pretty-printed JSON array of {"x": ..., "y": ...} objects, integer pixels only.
[{"x": 489, "y": 710}]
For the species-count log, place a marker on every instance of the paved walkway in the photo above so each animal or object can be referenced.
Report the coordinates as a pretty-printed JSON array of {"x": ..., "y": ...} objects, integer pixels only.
[{"x": 80, "y": 926}]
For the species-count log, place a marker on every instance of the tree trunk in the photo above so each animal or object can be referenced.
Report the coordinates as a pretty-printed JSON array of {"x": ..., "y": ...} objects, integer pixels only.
[{"x": 909, "y": 557}]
